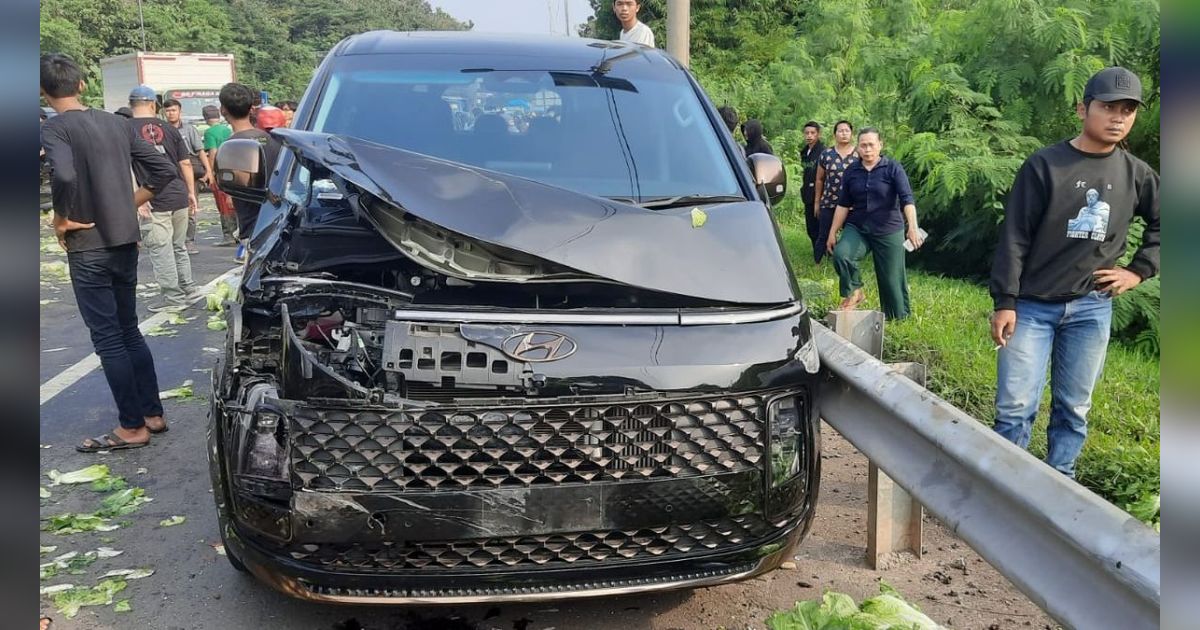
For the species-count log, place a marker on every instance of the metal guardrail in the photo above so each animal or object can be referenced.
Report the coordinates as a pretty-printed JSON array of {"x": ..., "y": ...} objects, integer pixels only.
[{"x": 1085, "y": 562}]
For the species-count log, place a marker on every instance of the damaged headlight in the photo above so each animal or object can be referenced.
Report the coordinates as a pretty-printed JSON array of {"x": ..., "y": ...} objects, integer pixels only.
[
  {"x": 785, "y": 418},
  {"x": 260, "y": 455},
  {"x": 265, "y": 455}
]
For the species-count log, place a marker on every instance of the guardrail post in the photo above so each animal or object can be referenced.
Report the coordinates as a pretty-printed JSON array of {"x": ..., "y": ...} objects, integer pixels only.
[{"x": 894, "y": 518}]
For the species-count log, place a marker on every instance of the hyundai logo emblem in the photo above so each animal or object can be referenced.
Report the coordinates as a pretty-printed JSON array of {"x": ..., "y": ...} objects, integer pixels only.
[{"x": 539, "y": 346}]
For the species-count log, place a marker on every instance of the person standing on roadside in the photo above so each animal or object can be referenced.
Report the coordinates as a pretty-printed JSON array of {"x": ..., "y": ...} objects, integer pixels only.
[
  {"x": 289, "y": 111},
  {"x": 831, "y": 164},
  {"x": 632, "y": 29},
  {"x": 217, "y": 133},
  {"x": 755, "y": 142},
  {"x": 875, "y": 204},
  {"x": 813, "y": 147},
  {"x": 165, "y": 221},
  {"x": 92, "y": 152},
  {"x": 729, "y": 116},
  {"x": 173, "y": 112},
  {"x": 237, "y": 101},
  {"x": 1054, "y": 274}
]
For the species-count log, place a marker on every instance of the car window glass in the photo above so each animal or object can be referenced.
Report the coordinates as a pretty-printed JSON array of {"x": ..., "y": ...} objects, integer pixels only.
[
  {"x": 597, "y": 134},
  {"x": 296, "y": 189}
]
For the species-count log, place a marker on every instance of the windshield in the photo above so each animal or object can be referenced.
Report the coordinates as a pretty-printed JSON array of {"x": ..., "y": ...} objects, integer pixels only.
[
  {"x": 192, "y": 102},
  {"x": 634, "y": 138}
]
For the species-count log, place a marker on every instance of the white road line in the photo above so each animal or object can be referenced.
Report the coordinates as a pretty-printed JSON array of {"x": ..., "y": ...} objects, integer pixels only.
[{"x": 68, "y": 377}]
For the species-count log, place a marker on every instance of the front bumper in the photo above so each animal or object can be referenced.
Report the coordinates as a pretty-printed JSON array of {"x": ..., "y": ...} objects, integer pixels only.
[
  {"x": 521, "y": 504},
  {"x": 305, "y": 581}
]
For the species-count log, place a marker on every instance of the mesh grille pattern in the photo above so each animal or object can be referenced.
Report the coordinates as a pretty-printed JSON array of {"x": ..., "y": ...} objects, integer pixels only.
[
  {"x": 489, "y": 448},
  {"x": 532, "y": 551}
]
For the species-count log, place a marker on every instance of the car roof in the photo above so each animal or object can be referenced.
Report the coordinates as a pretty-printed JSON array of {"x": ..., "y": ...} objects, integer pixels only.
[{"x": 568, "y": 53}]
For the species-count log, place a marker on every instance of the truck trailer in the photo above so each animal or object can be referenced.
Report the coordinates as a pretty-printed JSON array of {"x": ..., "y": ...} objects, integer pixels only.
[{"x": 193, "y": 79}]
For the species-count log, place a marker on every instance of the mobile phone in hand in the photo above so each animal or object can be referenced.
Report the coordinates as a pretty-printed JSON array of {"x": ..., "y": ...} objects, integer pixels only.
[{"x": 908, "y": 244}]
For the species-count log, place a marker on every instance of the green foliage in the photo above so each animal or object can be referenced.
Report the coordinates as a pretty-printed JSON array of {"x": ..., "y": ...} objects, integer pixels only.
[
  {"x": 963, "y": 92},
  {"x": 1135, "y": 312},
  {"x": 277, "y": 44}
]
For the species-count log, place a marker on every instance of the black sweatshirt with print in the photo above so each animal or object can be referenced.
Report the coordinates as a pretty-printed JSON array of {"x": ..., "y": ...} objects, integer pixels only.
[{"x": 1067, "y": 216}]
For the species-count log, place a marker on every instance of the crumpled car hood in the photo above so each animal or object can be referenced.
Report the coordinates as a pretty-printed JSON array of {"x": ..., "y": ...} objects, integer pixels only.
[{"x": 735, "y": 256}]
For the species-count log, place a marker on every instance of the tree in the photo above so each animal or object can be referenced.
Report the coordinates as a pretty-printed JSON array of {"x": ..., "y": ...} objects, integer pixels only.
[{"x": 277, "y": 43}]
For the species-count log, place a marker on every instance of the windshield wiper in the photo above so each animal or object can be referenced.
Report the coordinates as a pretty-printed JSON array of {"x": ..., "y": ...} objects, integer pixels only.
[{"x": 686, "y": 200}]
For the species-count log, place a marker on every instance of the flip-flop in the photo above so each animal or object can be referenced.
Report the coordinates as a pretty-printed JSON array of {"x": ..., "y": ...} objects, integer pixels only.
[
  {"x": 108, "y": 442},
  {"x": 164, "y": 429},
  {"x": 850, "y": 304}
]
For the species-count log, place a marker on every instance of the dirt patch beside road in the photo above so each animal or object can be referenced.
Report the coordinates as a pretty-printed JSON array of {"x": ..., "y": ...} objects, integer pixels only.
[{"x": 950, "y": 583}]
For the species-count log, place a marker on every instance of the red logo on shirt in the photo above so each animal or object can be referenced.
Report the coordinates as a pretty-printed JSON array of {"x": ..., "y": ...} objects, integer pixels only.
[{"x": 152, "y": 133}]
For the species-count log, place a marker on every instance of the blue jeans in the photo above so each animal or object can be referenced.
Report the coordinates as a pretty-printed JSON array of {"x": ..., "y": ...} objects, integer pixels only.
[
  {"x": 105, "y": 282},
  {"x": 1073, "y": 338}
]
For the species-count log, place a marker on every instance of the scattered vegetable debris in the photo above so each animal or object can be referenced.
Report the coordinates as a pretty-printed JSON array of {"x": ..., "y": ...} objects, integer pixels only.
[
  {"x": 837, "y": 611},
  {"x": 83, "y": 475}
]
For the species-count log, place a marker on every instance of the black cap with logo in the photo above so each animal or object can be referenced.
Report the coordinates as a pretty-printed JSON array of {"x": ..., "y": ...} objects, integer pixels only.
[{"x": 1114, "y": 84}]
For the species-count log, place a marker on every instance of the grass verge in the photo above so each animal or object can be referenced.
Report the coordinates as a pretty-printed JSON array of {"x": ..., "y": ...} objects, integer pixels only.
[{"x": 948, "y": 332}]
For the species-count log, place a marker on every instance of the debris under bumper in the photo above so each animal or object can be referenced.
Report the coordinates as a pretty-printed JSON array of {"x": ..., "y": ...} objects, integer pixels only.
[{"x": 600, "y": 495}]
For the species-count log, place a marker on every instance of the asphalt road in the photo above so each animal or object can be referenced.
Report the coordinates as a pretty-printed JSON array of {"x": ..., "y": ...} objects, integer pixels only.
[{"x": 195, "y": 587}]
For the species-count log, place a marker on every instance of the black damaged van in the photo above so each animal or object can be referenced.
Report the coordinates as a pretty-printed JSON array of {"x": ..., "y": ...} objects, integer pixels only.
[{"x": 517, "y": 325}]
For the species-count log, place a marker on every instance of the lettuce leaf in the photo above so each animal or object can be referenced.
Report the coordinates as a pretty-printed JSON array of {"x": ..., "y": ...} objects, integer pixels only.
[
  {"x": 83, "y": 475},
  {"x": 837, "y": 611}
]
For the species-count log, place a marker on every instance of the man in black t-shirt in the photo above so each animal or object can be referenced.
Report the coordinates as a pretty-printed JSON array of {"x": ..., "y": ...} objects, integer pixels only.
[
  {"x": 91, "y": 153},
  {"x": 165, "y": 222},
  {"x": 1055, "y": 272},
  {"x": 236, "y": 102},
  {"x": 808, "y": 159}
]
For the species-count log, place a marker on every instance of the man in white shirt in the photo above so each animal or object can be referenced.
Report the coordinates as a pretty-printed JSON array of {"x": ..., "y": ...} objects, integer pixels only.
[{"x": 632, "y": 30}]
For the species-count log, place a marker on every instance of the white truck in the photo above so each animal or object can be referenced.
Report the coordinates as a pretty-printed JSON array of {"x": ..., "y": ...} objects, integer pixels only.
[{"x": 193, "y": 79}]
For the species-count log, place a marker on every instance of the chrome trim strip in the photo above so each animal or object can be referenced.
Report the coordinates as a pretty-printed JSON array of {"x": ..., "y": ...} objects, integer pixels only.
[
  {"x": 673, "y": 318},
  {"x": 522, "y": 317},
  {"x": 296, "y": 588},
  {"x": 741, "y": 317}
]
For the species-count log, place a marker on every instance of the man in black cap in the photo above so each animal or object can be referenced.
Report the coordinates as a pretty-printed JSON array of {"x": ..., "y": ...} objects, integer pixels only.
[
  {"x": 164, "y": 223},
  {"x": 1055, "y": 272}
]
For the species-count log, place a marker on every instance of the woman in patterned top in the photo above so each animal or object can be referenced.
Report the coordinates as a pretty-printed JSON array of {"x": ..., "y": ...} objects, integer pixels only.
[{"x": 830, "y": 167}]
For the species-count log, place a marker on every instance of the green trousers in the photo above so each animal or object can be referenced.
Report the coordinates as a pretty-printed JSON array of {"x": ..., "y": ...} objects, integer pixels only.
[{"x": 888, "y": 252}]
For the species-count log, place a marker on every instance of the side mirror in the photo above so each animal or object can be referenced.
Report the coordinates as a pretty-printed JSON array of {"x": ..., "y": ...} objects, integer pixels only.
[
  {"x": 768, "y": 173},
  {"x": 241, "y": 170}
]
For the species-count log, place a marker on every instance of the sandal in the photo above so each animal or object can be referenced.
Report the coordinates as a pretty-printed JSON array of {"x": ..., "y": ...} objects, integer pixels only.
[
  {"x": 108, "y": 442},
  {"x": 852, "y": 301},
  {"x": 163, "y": 429}
]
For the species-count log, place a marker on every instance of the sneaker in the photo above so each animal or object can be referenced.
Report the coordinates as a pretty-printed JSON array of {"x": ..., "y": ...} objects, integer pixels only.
[
  {"x": 192, "y": 249},
  {"x": 194, "y": 294},
  {"x": 170, "y": 307},
  {"x": 240, "y": 256}
]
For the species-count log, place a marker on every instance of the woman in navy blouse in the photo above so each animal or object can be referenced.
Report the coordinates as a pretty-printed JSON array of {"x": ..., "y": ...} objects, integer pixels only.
[{"x": 875, "y": 203}]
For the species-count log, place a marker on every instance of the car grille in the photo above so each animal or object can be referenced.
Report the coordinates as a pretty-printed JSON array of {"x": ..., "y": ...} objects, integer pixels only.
[
  {"x": 383, "y": 450},
  {"x": 538, "y": 551}
]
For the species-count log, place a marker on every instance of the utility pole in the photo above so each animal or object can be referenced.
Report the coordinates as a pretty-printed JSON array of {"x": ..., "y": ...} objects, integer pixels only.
[
  {"x": 567, "y": 16},
  {"x": 143, "y": 24},
  {"x": 679, "y": 25}
]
